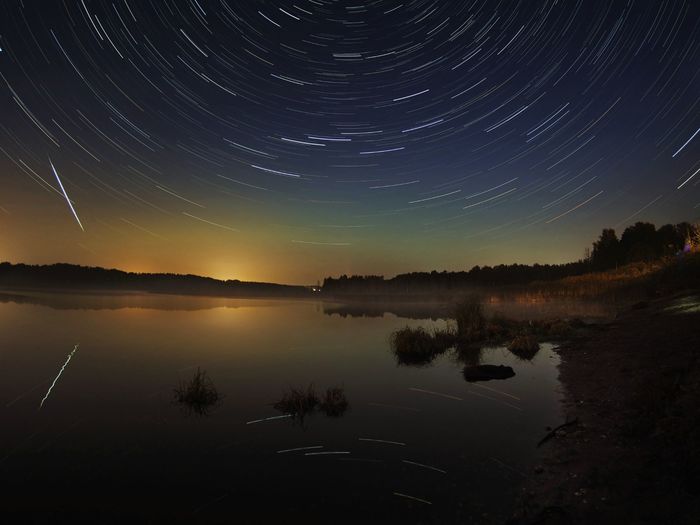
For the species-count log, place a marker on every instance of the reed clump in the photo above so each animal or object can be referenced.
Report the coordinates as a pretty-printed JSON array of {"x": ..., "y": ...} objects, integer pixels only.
[
  {"x": 417, "y": 346},
  {"x": 334, "y": 403},
  {"x": 304, "y": 401},
  {"x": 524, "y": 346},
  {"x": 298, "y": 401},
  {"x": 198, "y": 394}
]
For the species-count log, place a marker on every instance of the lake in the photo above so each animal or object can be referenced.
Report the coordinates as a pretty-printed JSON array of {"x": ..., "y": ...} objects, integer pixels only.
[{"x": 109, "y": 444}]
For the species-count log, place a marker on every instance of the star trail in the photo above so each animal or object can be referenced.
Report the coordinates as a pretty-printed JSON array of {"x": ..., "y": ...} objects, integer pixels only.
[{"x": 287, "y": 141}]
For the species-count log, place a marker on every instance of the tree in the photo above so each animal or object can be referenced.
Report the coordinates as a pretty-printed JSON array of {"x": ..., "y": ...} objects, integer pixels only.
[
  {"x": 638, "y": 242},
  {"x": 669, "y": 240},
  {"x": 606, "y": 250}
]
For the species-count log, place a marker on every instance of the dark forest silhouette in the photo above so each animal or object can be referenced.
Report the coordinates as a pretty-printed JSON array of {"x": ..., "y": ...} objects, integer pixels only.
[
  {"x": 73, "y": 277},
  {"x": 639, "y": 242}
]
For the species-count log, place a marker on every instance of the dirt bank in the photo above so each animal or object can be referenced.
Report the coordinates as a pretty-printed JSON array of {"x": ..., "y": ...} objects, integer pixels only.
[{"x": 633, "y": 385}]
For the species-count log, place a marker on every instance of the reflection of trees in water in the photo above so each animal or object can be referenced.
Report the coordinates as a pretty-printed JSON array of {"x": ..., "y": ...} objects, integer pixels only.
[
  {"x": 515, "y": 307},
  {"x": 408, "y": 310},
  {"x": 111, "y": 300},
  {"x": 469, "y": 355}
]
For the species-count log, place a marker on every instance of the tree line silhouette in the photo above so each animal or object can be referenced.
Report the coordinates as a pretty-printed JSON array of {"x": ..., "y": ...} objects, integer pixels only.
[
  {"x": 72, "y": 277},
  {"x": 639, "y": 242}
]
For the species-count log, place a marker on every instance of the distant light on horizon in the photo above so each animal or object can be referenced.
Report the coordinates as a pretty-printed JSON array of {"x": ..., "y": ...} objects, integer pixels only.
[{"x": 225, "y": 144}]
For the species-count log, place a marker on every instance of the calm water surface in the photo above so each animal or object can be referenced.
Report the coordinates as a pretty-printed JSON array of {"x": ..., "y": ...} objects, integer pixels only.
[{"x": 110, "y": 445}]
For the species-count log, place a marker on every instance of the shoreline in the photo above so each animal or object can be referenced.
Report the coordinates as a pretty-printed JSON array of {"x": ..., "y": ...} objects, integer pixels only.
[{"x": 633, "y": 456}]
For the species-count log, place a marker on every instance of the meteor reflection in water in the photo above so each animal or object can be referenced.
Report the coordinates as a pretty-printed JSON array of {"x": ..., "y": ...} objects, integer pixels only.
[{"x": 59, "y": 375}]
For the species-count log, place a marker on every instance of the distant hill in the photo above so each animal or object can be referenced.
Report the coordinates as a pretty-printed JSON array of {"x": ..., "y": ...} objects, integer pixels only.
[{"x": 74, "y": 277}]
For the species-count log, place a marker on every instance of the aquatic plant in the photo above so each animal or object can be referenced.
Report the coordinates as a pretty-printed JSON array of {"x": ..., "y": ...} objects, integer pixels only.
[
  {"x": 298, "y": 401},
  {"x": 524, "y": 346},
  {"x": 199, "y": 395},
  {"x": 334, "y": 403},
  {"x": 417, "y": 346},
  {"x": 445, "y": 337}
]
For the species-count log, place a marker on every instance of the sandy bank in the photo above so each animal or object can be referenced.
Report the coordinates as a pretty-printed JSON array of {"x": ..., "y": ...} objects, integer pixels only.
[{"x": 633, "y": 385}]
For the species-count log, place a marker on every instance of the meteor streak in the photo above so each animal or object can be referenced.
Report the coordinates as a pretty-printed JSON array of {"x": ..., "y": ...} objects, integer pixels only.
[
  {"x": 70, "y": 205},
  {"x": 62, "y": 368}
]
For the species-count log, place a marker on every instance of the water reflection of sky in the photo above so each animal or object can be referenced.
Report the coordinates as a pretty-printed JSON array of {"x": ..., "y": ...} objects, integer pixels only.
[{"x": 111, "y": 432}]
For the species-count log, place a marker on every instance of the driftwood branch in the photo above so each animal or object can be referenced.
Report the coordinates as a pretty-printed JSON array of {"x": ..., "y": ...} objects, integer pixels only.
[{"x": 553, "y": 432}]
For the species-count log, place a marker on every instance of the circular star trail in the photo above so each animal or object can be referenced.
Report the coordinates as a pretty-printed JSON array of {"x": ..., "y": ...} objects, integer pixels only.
[{"x": 288, "y": 141}]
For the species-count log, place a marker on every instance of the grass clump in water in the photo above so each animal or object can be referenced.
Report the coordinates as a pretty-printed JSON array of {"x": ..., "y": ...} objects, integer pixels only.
[
  {"x": 198, "y": 394},
  {"x": 334, "y": 403},
  {"x": 298, "y": 401},
  {"x": 417, "y": 346},
  {"x": 524, "y": 346}
]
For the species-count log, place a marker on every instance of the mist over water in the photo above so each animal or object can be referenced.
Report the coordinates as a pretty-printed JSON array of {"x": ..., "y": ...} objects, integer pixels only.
[{"x": 111, "y": 444}]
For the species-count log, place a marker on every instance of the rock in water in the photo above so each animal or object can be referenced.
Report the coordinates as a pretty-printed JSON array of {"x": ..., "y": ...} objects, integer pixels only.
[{"x": 487, "y": 372}]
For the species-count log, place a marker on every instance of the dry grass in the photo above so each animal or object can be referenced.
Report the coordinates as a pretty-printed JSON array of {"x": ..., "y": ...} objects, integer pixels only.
[{"x": 631, "y": 281}]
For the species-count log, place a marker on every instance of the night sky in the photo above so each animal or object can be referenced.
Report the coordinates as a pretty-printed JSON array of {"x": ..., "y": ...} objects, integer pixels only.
[{"x": 288, "y": 141}]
